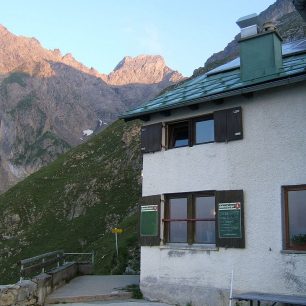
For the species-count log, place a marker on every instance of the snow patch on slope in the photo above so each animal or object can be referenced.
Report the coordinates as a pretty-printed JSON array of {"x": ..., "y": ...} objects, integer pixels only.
[{"x": 87, "y": 132}]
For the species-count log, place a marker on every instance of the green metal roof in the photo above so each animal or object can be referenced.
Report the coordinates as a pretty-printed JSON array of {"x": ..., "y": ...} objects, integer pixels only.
[{"x": 225, "y": 81}]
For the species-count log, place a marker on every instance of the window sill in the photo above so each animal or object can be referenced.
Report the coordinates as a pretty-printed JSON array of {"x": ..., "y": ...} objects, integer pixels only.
[
  {"x": 193, "y": 247},
  {"x": 171, "y": 148},
  {"x": 293, "y": 251},
  {"x": 200, "y": 143}
]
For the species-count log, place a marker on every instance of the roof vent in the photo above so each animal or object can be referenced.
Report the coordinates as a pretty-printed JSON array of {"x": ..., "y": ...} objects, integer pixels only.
[
  {"x": 268, "y": 26},
  {"x": 249, "y": 25}
]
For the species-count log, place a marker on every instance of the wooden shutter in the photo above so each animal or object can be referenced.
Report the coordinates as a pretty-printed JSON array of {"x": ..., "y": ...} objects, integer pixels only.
[
  {"x": 228, "y": 124},
  {"x": 151, "y": 138},
  {"x": 230, "y": 219},
  {"x": 149, "y": 230},
  {"x": 220, "y": 126},
  {"x": 234, "y": 124}
]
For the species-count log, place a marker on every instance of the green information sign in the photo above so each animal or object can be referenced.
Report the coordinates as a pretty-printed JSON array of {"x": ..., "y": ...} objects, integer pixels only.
[
  {"x": 149, "y": 220},
  {"x": 229, "y": 220}
]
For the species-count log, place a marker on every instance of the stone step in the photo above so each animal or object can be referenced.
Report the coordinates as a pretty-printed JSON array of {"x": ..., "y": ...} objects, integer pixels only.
[
  {"x": 131, "y": 302},
  {"x": 115, "y": 295},
  {"x": 94, "y": 288}
]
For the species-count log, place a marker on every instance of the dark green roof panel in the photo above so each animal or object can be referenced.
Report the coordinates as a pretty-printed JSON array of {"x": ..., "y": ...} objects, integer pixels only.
[{"x": 221, "y": 80}]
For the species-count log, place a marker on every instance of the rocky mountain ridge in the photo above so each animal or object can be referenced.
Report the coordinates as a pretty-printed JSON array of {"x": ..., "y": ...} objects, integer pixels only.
[
  {"x": 50, "y": 102},
  {"x": 19, "y": 53}
]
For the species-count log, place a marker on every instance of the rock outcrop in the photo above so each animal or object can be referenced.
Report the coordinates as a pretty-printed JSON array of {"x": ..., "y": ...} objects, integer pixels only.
[
  {"x": 143, "y": 69},
  {"x": 48, "y": 101}
]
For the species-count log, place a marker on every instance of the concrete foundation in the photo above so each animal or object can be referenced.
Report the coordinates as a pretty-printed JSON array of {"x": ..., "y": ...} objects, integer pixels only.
[{"x": 35, "y": 291}]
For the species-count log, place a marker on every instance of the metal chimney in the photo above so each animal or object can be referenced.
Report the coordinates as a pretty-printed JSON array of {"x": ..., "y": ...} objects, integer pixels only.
[{"x": 260, "y": 52}]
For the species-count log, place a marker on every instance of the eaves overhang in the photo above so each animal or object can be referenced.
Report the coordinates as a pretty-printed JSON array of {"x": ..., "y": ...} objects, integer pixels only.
[
  {"x": 225, "y": 94},
  {"x": 225, "y": 81}
]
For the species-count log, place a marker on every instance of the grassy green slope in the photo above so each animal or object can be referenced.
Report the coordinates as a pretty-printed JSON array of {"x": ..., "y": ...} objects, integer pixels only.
[{"x": 73, "y": 203}]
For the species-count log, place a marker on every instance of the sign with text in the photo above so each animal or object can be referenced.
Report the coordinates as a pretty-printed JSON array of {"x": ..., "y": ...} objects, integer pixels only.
[
  {"x": 117, "y": 230},
  {"x": 229, "y": 220},
  {"x": 149, "y": 220}
]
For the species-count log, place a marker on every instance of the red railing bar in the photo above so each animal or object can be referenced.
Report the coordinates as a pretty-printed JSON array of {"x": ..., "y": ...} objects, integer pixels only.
[{"x": 173, "y": 220}]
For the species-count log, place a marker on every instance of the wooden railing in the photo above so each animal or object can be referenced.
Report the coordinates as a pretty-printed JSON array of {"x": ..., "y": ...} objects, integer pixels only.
[
  {"x": 80, "y": 257},
  {"x": 44, "y": 262}
]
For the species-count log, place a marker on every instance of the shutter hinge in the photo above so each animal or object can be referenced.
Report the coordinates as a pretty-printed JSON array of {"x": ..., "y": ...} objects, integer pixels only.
[
  {"x": 236, "y": 111},
  {"x": 237, "y": 134}
]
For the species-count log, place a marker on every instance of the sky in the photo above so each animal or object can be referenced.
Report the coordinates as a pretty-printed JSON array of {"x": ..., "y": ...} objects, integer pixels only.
[{"x": 99, "y": 33}]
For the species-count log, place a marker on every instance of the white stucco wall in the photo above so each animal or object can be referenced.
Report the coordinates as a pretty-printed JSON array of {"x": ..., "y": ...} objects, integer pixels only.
[{"x": 272, "y": 153}]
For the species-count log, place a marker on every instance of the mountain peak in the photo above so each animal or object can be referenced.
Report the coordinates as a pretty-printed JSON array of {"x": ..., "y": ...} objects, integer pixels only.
[
  {"x": 142, "y": 59},
  {"x": 144, "y": 69},
  {"x": 3, "y": 29},
  {"x": 19, "y": 53}
]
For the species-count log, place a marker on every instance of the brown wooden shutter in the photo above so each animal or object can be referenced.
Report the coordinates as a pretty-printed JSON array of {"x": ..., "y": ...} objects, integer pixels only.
[
  {"x": 230, "y": 219},
  {"x": 149, "y": 229},
  {"x": 234, "y": 124},
  {"x": 228, "y": 124},
  {"x": 220, "y": 126},
  {"x": 151, "y": 137}
]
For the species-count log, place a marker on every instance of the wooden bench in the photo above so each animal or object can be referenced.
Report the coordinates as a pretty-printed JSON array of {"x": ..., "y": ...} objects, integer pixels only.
[
  {"x": 55, "y": 260},
  {"x": 268, "y": 297},
  {"x": 40, "y": 263}
]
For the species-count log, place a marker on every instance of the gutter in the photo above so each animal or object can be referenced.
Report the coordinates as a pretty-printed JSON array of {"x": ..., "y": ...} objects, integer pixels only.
[{"x": 240, "y": 91}]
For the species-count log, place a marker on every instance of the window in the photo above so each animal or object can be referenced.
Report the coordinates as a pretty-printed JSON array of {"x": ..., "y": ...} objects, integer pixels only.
[
  {"x": 191, "y": 132},
  {"x": 204, "y": 209},
  {"x": 179, "y": 135},
  {"x": 204, "y": 217},
  {"x": 204, "y": 130},
  {"x": 295, "y": 220},
  {"x": 190, "y": 218},
  {"x": 221, "y": 126},
  {"x": 178, "y": 212}
]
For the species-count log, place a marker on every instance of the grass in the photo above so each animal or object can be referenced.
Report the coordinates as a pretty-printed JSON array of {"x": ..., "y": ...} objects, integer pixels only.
[
  {"x": 73, "y": 203},
  {"x": 136, "y": 292}
]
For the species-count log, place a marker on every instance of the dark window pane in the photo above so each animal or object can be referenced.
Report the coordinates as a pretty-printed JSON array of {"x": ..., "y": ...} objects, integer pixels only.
[
  {"x": 178, "y": 229},
  {"x": 297, "y": 217},
  {"x": 179, "y": 135},
  {"x": 204, "y": 131},
  {"x": 205, "y": 207},
  {"x": 204, "y": 230}
]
